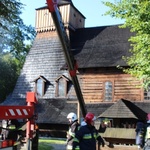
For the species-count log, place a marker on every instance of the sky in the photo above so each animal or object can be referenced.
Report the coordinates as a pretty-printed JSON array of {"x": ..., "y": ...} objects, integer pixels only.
[{"x": 93, "y": 10}]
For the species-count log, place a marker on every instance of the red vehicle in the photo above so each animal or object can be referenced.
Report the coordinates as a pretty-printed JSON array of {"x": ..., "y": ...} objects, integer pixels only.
[{"x": 9, "y": 116}]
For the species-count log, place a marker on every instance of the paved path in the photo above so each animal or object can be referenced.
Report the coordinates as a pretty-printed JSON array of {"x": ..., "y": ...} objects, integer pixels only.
[
  {"x": 58, "y": 146},
  {"x": 120, "y": 147},
  {"x": 116, "y": 147}
]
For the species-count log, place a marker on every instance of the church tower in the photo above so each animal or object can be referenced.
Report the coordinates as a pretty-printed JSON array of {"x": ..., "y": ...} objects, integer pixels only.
[
  {"x": 71, "y": 17},
  {"x": 42, "y": 69}
]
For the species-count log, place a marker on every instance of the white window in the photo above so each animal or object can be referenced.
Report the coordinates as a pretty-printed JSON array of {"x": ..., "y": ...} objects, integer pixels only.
[
  {"x": 62, "y": 86},
  {"x": 108, "y": 91},
  {"x": 40, "y": 84}
]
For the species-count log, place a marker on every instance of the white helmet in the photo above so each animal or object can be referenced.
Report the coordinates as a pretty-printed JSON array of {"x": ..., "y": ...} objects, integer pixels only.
[{"x": 72, "y": 116}]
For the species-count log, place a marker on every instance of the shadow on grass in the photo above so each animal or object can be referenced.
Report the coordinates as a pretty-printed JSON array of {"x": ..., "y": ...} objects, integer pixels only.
[{"x": 46, "y": 144}]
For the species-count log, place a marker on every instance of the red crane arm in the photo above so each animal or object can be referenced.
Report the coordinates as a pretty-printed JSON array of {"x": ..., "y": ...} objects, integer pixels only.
[
  {"x": 52, "y": 4},
  {"x": 71, "y": 62}
]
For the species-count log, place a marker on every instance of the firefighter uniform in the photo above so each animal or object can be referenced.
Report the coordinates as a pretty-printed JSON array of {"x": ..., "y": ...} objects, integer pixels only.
[
  {"x": 147, "y": 136},
  {"x": 74, "y": 126},
  {"x": 140, "y": 134},
  {"x": 10, "y": 130},
  {"x": 87, "y": 135}
]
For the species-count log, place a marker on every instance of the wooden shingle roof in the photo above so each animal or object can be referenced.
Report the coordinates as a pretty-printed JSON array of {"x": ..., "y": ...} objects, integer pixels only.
[
  {"x": 62, "y": 2},
  {"x": 124, "y": 109},
  {"x": 55, "y": 111},
  {"x": 145, "y": 106},
  {"x": 100, "y": 46}
]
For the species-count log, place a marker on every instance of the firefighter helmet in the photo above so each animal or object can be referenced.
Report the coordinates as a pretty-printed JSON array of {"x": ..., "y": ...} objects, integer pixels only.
[
  {"x": 89, "y": 118},
  {"x": 72, "y": 116}
]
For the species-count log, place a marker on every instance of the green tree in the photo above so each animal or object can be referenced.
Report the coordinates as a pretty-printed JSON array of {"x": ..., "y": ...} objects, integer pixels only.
[
  {"x": 8, "y": 75},
  {"x": 16, "y": 40},
  {"x": 15, "y": 36},
  {"x": 136, "y": 14},
  {"x": 10, "y": 9}
]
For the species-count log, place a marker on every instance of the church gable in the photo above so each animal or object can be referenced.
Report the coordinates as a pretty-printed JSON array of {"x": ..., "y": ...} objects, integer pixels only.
[{"x": 45, "y": 58}]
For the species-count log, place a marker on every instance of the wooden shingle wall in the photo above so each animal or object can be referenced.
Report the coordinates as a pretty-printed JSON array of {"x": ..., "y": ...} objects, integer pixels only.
[
  {"x": 123, "y": 86},
  {"x": 45, "y": 58}
]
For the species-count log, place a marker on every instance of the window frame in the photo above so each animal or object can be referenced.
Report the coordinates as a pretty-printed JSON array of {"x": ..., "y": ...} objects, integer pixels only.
[
  {"x": 66, "y": 82},
  {"x": 104, "y": 91},
  {"x": 43, "y": 89},
  {"x": 147, "y": 93}
]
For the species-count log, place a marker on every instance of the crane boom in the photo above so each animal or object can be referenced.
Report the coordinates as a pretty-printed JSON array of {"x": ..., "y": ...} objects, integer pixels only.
[{"x": 72, "y": 66}]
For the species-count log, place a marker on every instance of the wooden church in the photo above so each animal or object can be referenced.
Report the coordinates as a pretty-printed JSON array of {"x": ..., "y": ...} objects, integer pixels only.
[{"x": 97, "y": 50}]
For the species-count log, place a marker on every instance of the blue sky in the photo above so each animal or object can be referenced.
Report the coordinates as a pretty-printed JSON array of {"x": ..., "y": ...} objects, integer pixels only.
[{"x": 93, "y": 10}]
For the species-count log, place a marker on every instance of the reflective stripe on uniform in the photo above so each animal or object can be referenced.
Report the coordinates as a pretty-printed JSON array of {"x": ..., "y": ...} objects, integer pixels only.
[
  {"x": 69, "y": 147},
  {"x": 11, "y": 127},
  {"x": 148, "y": 133},
  {"x": 96, "y": 135},
  {"x": 76, "y": 140},
  {"x": 87, "y": 136},
  {"x": 77, "y": 148}
]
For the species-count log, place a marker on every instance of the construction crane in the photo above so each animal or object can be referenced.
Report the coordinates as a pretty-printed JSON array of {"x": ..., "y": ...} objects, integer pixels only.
[{"x": 71, "y": 62}]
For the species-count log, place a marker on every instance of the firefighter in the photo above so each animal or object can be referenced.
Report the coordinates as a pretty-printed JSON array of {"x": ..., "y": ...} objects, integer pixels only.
[
  {"x": 147, "y": 134},
  {"x": 4, "y": 131},
  {"x": 140, "y": 134},
  {"x": 73, "y": 127},
  {"x": 86, "y": 136},
  {"x": 10, "y": 130}
]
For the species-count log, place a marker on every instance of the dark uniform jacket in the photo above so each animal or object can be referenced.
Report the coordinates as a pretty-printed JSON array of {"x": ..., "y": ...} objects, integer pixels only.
[{"x": 86, "y": 137}]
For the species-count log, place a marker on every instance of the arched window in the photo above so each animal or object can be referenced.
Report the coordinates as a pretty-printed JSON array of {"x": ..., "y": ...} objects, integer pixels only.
[
  {"x": 40, "y": 87},
  {"x": 108, "y": 91},
  {"x": 62, "y": 86},
  {"x": 40, "y": 84}
]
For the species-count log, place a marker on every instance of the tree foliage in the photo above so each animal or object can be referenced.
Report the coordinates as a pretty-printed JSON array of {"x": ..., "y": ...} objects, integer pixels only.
[
  {"x": 14, "y": 34},
  {"x": 8, "y": 75},
  {"x": 16, "y": 40},
  {"x": 10, "y": 9},
  {"x": 136, "y": 14}
]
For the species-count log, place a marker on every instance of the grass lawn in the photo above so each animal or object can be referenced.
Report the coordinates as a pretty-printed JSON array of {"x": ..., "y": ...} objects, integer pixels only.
[{"x": 45, "y": 143}]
